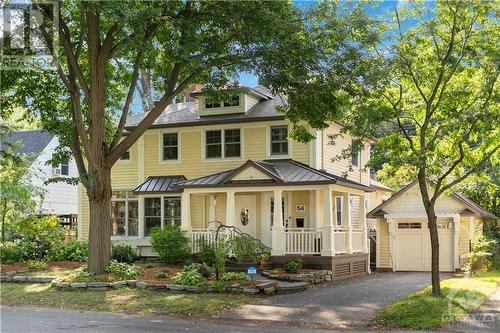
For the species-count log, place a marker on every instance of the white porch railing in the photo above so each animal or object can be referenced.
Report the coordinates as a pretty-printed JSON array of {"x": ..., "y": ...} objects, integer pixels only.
[
  {"x": 302, "y": 241},
  {"x": 340, "y": 235},
  {"x": 357, "y": 240},
  {"x": 198, "y": 235}
]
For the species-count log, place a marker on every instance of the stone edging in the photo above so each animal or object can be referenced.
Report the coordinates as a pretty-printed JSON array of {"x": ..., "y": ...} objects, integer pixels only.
[
  {"x": 315, "y": 277},
  {"x": 263, "y": 287}
]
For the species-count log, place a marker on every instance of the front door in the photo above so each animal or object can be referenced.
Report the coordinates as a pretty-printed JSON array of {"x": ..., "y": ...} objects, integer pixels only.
[{"x": 246, "y": 213}]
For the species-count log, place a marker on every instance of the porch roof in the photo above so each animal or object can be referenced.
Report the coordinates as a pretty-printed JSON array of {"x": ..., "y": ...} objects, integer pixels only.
[
  {"x": 279, "y": 172},
  {"x": 159, "y": 184}
]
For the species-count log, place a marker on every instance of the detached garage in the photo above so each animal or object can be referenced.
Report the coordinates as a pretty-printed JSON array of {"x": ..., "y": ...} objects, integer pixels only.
[{"x": 403, "y": 241}]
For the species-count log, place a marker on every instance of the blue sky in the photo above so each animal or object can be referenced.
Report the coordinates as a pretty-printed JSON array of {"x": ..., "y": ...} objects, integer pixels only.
[{"x": 382, "y": 8}]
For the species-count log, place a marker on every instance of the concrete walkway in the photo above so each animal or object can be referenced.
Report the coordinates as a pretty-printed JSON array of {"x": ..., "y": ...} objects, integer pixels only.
[
  {"x": 486, "y": 319},
  {"x": 351, "y": 303}
]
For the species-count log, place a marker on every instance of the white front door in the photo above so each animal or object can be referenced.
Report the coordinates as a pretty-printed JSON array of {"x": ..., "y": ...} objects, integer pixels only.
[{"x": 246, "y": 214}]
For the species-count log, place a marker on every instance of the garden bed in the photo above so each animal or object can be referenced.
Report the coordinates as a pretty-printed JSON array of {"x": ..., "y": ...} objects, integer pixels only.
[{"x": 157, "y": 276}]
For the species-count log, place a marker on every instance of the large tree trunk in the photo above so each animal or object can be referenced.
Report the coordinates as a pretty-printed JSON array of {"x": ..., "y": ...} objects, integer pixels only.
[
  {"x": 99, "y": 193},
  {"x": 432, "y": 220}
]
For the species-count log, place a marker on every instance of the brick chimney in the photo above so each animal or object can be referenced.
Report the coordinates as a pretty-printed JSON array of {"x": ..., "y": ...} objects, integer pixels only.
[{"x": 192, "y": 88}]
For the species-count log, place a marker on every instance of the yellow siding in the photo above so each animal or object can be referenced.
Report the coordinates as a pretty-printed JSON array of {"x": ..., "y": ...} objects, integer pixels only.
[
  {"x": 374, "y": 199},
  {"x": 332, "y": 151},
  {"x": 383, "y": 244},
  {"x": 463, "y": 240},
  {"x": 197, "y": 211},
  {"x": 84, "y": 214}
]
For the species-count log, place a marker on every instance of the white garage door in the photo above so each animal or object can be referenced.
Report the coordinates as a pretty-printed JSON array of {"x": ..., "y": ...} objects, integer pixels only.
[{"x": 413, "y": 245}]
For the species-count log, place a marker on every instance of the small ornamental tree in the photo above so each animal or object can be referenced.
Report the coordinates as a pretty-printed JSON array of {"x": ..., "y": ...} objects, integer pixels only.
[{"x": 440, "y": 102}]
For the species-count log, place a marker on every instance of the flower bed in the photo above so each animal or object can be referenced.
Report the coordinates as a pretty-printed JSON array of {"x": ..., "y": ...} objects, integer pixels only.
[
  {"x": 155, "y": 276},
  {"x": 304, "y": 275}
]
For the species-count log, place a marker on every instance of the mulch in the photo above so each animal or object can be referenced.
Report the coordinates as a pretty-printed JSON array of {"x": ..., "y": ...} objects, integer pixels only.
[
  {"x": 22, "y": 266},
  {"x": 150, "y": 275}
]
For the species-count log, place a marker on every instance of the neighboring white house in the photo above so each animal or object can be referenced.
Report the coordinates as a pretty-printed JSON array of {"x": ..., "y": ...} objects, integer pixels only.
[{"x": 59, "y": 198}]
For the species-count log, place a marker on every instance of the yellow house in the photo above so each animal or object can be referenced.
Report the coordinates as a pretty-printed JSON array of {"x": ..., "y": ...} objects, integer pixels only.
[
  {"x": 231, "y": 161},
  {"x": 403, "y": 241}
]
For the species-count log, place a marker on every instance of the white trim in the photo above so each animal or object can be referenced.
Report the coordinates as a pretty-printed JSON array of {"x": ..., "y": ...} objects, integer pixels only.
[
  {"x": 160, "y": 146},
  {"x": 268, "y": 141},
  {"x": 456, "y": 244},
  {"x": 222, "y": 129}
]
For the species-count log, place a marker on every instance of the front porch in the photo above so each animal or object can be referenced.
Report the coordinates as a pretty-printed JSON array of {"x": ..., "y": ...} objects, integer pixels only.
[{"x": 323, "y": 220}]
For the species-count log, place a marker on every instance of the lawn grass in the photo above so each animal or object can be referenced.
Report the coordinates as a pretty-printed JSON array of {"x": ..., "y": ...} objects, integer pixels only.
[
  {"x": 421, "y": 310},
  {"x": 128, "y": 300}
]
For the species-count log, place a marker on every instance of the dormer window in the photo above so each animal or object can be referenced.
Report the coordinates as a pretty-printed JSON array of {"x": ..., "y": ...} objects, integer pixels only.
[
  {"x": 231, "y": 102},
  {"x": 211, "y": 104}
]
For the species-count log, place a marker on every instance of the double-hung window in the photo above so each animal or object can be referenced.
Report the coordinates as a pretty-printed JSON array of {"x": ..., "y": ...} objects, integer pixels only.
[
  {"x": 62, "y": 169},
  {"x": 356, "y": 156},
  {"x": 339, "y": 201},
  {"x": 152, "y": 214},
  {"x": 223, "y": 144},
  {"x": 172, "y": 210},
  {"x": 124, "y": 213},
  {"x": 279, "y": 140},
  {"x": 170, "y": 147},
  {"x": 125, "y": 156}
]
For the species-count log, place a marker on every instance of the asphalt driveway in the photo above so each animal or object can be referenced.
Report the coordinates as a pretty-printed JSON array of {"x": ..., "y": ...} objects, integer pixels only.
[{"x": 350, "y": 303}]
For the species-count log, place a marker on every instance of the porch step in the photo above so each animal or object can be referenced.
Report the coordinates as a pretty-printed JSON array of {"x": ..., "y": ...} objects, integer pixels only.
[{"x": 291, "y": 287}]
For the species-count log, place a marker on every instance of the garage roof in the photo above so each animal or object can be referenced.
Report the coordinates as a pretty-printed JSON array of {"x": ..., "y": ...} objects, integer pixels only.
[{"x": 471, "y": 205}]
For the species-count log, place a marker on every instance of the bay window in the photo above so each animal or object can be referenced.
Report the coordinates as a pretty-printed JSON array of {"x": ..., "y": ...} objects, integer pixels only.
[
  {"x": 152, "y": 214},
  {"x": 124, "y": 213}
]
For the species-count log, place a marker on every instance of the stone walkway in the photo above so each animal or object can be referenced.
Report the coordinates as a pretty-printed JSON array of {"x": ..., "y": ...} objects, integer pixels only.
[
  {"x": 350, "y": 303},
  {"x": 486, "y": 319}
]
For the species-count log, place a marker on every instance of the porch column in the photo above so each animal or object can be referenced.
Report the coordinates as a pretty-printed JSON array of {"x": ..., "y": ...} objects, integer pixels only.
[
  {"x": 327, "y": 231},
  {"x": 186, "y": 211},
  {"x": 347, "y": 219},
  {"x": 230, "y": 208},
  {"x": 211, "y": 212},
  {"x": 364, "y": 227},
  {"x": 278, "y": 244}
]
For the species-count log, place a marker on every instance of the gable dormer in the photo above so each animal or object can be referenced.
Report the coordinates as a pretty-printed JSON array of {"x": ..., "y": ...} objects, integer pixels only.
[{"x": 240, "y": 102}]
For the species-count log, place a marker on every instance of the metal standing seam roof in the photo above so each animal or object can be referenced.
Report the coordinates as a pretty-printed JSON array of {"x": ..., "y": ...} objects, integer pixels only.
[
  {"x": 159, "y": 184},
  {"x": 281, "y": 172}
]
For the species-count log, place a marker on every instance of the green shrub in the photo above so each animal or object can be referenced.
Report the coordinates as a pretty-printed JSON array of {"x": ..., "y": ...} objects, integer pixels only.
[
  {"x": 123, "y": 270},
  {"x": 149, "y": 265},
  {"x": 484, "y": 249},
  {"x": 82, "y": 272},
  {"x": 123, "y": 253},
  {"x": 161, "y": 275},
  {"x": 72, "y": 251},
  {"x": 10, "y": 252},
  {"x": 293, "y": 266},
  {"x": 171, "y": 244},
  {"x": 38, "y": 236},
  {"x": 188, "y": 278},
  {"x": 36, "y": 264},
  {"x": 219, "y": 285},
  {"x": 203, "y": 269},
  {"x": 234, "y": 276}
]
